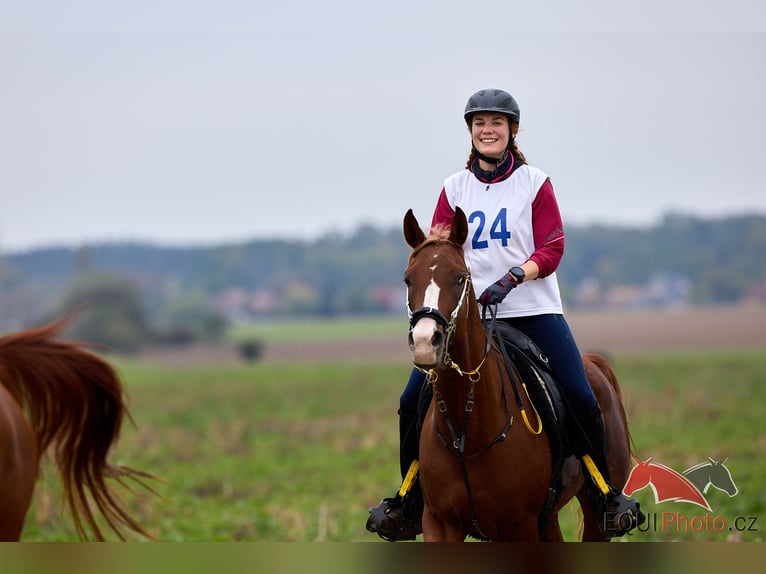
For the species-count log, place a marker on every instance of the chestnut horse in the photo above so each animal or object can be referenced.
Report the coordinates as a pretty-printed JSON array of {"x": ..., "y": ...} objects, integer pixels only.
[
  {"x": 483, "y": 471},
  {"x": 56, "y": 396}
]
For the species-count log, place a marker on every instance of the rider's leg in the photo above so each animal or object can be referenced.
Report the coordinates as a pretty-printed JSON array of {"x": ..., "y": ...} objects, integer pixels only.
[
  {"x": 399, "y": 517},
  {"x": 552, "y": 334}
]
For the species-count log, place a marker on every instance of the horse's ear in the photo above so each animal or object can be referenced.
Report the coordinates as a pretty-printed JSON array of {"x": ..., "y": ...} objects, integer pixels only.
[
  {"x": 413, "y": 234},
  {"x": 458, "y": 231}
]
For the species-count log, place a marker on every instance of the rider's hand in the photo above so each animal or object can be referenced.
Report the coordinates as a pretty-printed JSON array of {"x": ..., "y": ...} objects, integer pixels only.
[{"x": 495, "y": 293}]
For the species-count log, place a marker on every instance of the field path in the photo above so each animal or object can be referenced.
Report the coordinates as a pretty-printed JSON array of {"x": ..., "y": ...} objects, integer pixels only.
[
  {"x": 602, "y": 332},
  {"x": 696, "y": 328}
]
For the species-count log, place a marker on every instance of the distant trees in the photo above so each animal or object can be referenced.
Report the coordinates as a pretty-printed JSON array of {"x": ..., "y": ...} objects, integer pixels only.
[
  {"x": 721, "y": 259},
  {"x": 110, "y": 311},
  {"x": 137, "y": 292}
]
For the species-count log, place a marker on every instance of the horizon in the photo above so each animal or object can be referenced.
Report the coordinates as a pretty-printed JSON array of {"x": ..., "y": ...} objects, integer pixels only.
[{"x": 344, "y": 234}]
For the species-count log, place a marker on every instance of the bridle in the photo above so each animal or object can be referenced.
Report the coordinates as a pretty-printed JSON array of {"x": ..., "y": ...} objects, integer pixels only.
[
  {"x": 449, "y": 326},
  {"x": 459, "y": 439}
]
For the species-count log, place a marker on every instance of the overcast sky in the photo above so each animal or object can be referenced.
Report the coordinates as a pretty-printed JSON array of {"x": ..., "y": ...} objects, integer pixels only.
[{"x": 209, "y": 122}]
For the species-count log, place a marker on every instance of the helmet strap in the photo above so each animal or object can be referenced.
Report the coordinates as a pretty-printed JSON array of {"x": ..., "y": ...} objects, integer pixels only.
[
  {"x": 495, "y": 160},
  {"x": 498, "y": 166}
]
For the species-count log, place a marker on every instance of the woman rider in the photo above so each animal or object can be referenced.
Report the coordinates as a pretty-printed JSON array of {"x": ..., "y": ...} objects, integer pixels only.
[{"x": 516, "y": 241}]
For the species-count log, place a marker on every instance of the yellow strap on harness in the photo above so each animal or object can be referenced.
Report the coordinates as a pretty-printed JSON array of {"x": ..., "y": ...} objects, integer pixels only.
[
  {"x": 537, "y": 415},
  {"x": 596, "y": 474},
  {"x": 409, "y": 478}
]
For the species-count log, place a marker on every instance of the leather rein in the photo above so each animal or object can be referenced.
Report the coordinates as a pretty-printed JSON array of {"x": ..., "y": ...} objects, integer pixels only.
[{"x": 457, "y": 446}]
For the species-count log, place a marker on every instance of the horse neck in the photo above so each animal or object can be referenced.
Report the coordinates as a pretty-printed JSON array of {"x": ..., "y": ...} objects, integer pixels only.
[
  {"x": 467, "y": 350},
  {"x": 469, "y": 341}
]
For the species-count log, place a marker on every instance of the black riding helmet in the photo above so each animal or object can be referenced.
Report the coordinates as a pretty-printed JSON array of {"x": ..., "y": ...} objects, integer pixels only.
[{"x": 492, "y": 100}]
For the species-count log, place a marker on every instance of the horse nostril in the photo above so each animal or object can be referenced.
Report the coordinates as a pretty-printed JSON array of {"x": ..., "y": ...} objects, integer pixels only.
[
  {"x": 437, "y": 339},
  {"x": 411, "y": 341}
]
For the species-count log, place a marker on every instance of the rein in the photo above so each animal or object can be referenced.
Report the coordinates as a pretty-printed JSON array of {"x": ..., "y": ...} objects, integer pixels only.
[
  {"x": 457, "y": 447},
  {"x": 458, "y": 442}
]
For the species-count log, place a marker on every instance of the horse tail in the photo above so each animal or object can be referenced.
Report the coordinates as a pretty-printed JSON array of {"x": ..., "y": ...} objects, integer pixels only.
[{"x": 75, "y": 405}]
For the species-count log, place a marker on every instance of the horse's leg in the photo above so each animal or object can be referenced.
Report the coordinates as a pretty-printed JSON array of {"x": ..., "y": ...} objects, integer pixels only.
[
  {"x": 435, "y": 530},
  {"x": 524, "y": 530},
  {"x": 551, "y": 531}
]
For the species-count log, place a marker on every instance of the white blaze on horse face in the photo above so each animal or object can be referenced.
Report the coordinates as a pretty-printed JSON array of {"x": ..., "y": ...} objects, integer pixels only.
[{"x": 423, "y": 331}]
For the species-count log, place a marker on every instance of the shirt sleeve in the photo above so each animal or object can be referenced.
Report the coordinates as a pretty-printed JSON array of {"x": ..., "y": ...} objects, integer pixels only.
[
  {"x": 548, "y": 230},
  {"x": 443, "y": 213}
]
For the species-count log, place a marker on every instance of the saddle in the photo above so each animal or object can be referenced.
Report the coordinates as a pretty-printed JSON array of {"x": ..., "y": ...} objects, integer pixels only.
[{"x": 522, "y": 356}]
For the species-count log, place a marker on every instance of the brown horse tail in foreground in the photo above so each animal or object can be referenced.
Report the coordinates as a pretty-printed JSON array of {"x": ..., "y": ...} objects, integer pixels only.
[{"x": 74, "y": 405}]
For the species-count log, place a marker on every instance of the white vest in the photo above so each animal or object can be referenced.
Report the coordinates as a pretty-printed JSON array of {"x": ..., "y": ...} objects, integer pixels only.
[{"x": 500, "y": 235}]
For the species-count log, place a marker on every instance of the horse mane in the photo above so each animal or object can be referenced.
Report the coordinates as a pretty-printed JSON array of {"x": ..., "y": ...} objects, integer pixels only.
[{"x": 439, "y": 234}]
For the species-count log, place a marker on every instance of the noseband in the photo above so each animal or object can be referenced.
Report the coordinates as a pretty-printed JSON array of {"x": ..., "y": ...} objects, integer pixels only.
[{"x": 449, "y": 327}]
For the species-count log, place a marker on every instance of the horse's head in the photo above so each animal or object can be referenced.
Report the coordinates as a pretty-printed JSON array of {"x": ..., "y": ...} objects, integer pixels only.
[{"x": 438, "y": 287}]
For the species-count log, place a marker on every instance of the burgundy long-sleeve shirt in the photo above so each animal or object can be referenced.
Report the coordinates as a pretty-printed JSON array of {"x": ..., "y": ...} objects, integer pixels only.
[{"x": 548, "y": 229}]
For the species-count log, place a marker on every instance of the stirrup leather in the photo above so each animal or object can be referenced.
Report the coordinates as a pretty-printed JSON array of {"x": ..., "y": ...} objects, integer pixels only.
[
  {"x": 620, "y": 514},
  {"x": 409, "y": 478}
]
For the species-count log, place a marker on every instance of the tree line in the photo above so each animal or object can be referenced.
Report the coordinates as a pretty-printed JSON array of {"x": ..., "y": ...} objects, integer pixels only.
[{"x": 182, "y": 292}]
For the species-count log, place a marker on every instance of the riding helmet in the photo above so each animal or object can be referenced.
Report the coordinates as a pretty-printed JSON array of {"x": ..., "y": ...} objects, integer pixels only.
[{"x": 492, "y": 100}]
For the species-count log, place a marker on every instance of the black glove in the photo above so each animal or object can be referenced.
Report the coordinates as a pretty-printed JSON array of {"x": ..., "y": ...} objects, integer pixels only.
[{"x": 495, "y": 293}]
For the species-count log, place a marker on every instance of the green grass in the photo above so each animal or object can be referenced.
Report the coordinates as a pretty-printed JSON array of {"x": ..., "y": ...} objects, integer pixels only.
[
  {"x": 324, "y": 330},
  {"x": 686, "y": 407},
  {"x": 281, "y": 452}
]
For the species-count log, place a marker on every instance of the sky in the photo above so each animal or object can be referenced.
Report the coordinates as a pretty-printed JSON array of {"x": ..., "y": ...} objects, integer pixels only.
[{"x": 212, "y": 122}]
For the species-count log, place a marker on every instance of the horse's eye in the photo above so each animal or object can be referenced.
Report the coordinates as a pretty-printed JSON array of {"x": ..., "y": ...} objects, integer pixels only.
[{"x": 407, "y": 281}]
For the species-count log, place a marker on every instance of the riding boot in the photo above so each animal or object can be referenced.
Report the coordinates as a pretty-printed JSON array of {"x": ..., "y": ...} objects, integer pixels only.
[
  {"x": 399, "y": 517},
  {"x": 618, "y": 514}
]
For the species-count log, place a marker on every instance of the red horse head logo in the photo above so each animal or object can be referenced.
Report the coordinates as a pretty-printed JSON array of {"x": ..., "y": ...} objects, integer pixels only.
[{"x": 666, "y": 483}]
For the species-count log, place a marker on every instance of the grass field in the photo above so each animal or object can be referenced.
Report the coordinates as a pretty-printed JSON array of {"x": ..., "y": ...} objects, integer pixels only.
[{"x": 297, "y": 451}]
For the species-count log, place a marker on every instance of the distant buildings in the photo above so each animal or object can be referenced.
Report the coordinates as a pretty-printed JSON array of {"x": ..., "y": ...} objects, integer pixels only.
[{"x": 667, "y": 290}]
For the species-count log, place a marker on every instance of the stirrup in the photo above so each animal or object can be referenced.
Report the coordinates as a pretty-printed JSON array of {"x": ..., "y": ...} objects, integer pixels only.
[
  {"x": 393, "y": 518},
  {"x": 620, "y": 514},
  {"x": 391, "y": 522}
]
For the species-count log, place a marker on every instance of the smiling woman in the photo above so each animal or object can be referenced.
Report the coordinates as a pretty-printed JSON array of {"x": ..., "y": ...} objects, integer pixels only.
[{"x": 490, "y": 133}]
